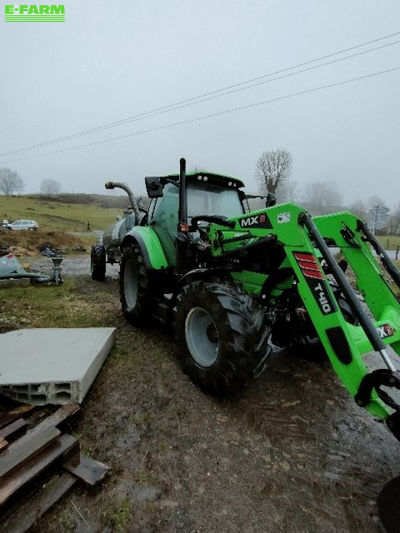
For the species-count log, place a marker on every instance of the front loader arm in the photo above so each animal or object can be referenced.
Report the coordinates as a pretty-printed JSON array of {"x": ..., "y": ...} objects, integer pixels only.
[
  {"x": 304, "y": 242},
  {"x": 351, "y": 235},
  {"x": 350, "y": 342},
  {"x": 336, "y": 335}
]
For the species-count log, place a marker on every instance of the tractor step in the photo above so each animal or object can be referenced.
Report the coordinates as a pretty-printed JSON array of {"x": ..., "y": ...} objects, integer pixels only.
[{"x": 162, "y": 312}]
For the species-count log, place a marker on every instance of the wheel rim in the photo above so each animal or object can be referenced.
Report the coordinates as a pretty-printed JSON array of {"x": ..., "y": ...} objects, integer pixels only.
[
  {"x": 130, "y": 284},
  {"x": 201, "y": 337}
]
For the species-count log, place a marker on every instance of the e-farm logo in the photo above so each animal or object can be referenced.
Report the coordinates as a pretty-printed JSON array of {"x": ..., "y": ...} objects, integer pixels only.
[{"x": 34, "y": 13}]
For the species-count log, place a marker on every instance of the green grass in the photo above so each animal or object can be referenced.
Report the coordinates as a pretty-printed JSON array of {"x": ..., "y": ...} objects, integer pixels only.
[
  {"x": 120, "y": 517},
  {"x": 52, "y": 214},
  {"x": 40, "y": 306},
  {"x": 389, "y": 242},
  {"x": 25, "y": 243}
]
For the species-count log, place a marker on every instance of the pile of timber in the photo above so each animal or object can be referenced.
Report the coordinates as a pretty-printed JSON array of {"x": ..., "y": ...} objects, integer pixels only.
[{"x": 39, "y": 462}]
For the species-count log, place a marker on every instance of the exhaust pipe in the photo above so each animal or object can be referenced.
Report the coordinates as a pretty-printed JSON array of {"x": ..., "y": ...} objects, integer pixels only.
[{"x": 120, "y": 185}]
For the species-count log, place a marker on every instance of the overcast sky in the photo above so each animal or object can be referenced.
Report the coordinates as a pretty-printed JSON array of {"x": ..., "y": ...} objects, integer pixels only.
[{"x": 112, "y": 60}]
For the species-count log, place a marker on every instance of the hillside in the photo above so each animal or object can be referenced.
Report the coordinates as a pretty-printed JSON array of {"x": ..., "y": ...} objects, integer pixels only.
[{"x": 66, "y": 212}]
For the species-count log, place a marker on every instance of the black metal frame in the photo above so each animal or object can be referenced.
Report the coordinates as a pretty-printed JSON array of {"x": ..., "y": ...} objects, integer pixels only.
[{"x": 182, "y": 196}]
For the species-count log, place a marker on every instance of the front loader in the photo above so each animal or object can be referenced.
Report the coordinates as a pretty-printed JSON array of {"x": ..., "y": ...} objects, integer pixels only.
[{"x": 233, "y": 281}]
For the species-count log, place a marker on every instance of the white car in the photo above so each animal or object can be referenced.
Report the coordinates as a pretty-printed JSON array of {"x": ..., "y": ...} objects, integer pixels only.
[{"x": 24, "y": 225}]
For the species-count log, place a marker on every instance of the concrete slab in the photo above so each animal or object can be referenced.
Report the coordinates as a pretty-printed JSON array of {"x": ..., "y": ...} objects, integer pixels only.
[
  {"x": 14, "y": 282},
  {"x": 52, "y": 365}
]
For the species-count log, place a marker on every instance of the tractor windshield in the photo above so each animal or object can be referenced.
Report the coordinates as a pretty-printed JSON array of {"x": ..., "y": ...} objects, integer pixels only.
[
  {"x": 202, "y": 200},
  {"x": 213, "y": 201}
]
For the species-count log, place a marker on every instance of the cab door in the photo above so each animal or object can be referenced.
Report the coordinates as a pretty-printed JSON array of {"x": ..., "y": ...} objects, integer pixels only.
[{"x": 164, "y": 220}]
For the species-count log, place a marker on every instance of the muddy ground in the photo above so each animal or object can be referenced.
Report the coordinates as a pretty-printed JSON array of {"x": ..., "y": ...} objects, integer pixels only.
[{"x": 293, "y": 453}]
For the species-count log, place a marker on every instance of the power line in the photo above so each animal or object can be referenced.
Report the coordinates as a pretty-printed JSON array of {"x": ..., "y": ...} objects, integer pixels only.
[
  {"x": 210, "y": 115},
  {"x": 217, "y": 93}
]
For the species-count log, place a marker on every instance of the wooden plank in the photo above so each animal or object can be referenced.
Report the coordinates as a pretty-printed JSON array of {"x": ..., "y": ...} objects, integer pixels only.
[
  {"x": 61, "y": 450},
  {"x": 29, "y": 513},
  {"x": 9, "y": 416},
  {"x": 3, "y": 444},
  {"x": 20, "y": 452},
  {"x": 64, "y": 413},
  {"x": 13, "y": 430},
  {"x": 87, "y": 469},
  {"x": 37, "y": 416}
]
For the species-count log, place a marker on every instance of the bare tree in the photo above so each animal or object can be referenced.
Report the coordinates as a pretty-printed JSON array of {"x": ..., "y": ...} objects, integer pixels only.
[
  {"x": 10, "y": 182},
  {"x": 48, "y": 186},
  {"x": 375, "y": 201},
  {"x": 322, "y": 197},
  {"x": 359, "y": 209},
  {"x": 287, "y": 192},
  {"x": 273, "y": 170},
  {"x": 395, "y": 220}
]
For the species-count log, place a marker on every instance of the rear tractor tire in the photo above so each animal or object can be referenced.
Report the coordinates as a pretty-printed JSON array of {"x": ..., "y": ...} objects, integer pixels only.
[
  {"x": 223, "y": 335},
  {"x": 98, "y": 262},
  {"x": 134, "y": 286}
]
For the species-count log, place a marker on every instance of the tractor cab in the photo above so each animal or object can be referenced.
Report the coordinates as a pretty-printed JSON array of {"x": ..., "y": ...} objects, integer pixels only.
[{"x": 200, "y": 194}]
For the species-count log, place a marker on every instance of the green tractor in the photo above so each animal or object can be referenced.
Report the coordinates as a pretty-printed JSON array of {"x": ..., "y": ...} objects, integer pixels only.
[{"x": 233, "y": 281}]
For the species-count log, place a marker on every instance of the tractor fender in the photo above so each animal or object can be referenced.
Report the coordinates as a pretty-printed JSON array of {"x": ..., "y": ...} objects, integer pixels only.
[
  {"x": 150, "y": 246},
  {"x": 202, "y": 274}
]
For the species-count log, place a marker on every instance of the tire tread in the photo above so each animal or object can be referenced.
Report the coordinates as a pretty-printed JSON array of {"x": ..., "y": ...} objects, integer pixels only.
[{"x": 243, "y": 332}]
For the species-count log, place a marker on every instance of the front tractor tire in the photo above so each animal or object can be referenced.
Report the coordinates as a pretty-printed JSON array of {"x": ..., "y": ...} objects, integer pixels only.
[
  {"x": 223, "y": 336},
  {"x": 98, "y": 262},
  {"x": 134, "y": 286}
]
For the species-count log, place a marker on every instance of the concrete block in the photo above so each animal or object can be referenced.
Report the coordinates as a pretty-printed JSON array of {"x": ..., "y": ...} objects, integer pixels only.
[
  {"x": 52, "y": 365},
  {"x": 14, "y": 282}
]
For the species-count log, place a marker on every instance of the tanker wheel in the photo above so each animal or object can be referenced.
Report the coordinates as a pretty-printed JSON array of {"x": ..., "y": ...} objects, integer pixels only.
[
  {"x": 98, "y": 262},
  {"x": 134, "y": 286},
  {"x": 223, "y": 336}
]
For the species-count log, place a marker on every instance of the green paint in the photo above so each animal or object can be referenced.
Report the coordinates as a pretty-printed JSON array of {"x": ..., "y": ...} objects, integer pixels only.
[
  {"x": 34, "y": 13},
  {"x": 152, "y": 244}
]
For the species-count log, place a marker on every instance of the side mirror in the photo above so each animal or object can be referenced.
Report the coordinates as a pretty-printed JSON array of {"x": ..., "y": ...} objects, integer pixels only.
[{"x": 154, "y": 187}]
